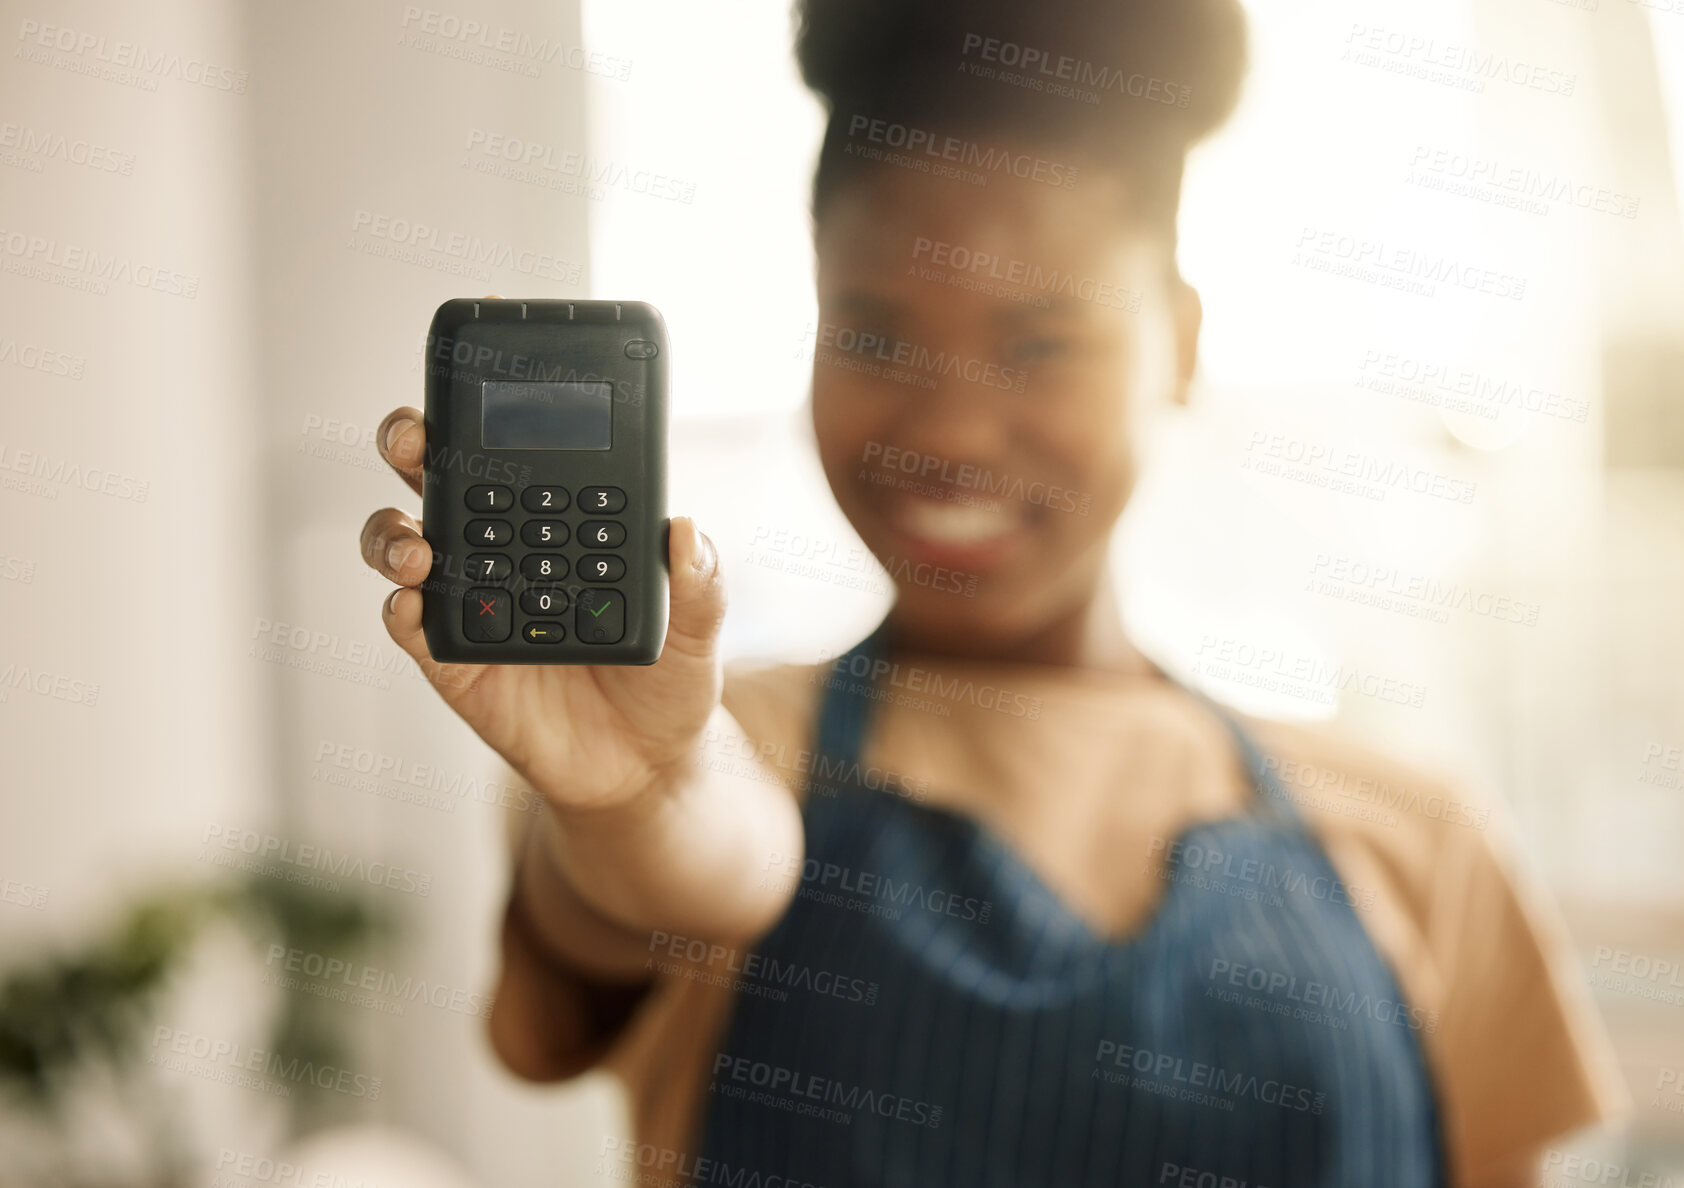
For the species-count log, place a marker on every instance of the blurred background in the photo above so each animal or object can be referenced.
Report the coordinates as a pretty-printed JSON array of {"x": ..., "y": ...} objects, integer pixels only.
[{"x": 250, "y": 868}]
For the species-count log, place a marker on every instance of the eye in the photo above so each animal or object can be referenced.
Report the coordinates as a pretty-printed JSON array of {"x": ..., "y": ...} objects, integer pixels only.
[{"x": 1037, "y": 348}]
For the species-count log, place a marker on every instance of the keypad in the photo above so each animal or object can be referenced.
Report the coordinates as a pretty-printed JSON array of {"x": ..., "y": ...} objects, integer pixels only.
[{"x": 538, "y": 599}]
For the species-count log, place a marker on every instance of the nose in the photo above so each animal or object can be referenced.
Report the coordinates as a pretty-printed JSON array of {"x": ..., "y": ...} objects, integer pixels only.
[{"x": 958, "y": 420}]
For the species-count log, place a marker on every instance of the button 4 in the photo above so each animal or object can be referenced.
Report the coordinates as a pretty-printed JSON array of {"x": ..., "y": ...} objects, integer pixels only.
[{"x": 489, "y": 532}]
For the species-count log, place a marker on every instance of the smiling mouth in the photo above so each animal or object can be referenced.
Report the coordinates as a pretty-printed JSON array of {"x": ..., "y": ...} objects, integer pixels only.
[{"x": 970, "y": 534}]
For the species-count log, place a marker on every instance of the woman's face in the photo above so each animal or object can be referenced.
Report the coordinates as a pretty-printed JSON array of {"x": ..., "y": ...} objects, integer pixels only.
[{"x": 985, "y": 360}]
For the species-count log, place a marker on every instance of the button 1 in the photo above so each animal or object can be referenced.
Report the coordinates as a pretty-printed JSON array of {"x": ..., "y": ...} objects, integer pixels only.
[
  {"x": 543, "y": 633},
  {"x": 487, "y": 567},
  {"x": 543, "y": 567},
  {"x": 486, "y": 616},
  {"x": 607, "y": 500},
  {"x": 489, "y": 532},
  {"x": 543, "y": 600},
  {"x": 601, "y": 567},
  {"x": 602, "y": 534},
  {"x": 544, "y": 532},
  {"x": 544, "y": 499},
  {"x": 601, "y": 617},
  {"x": 490, "y": 499}
]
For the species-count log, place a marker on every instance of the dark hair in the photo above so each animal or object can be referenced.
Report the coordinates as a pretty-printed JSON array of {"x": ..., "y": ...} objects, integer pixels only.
[{"x": 1164, "y": 72}]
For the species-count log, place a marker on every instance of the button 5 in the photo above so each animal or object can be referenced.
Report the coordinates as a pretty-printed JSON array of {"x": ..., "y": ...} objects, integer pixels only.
[{"x": 544, "y": 532}]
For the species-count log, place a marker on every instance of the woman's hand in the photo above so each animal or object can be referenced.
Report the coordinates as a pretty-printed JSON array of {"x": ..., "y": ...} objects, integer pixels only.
[{"x": 587, "y": 738}]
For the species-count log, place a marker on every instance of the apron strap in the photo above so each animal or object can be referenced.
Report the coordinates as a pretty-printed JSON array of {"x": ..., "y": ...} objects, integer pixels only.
[{"x": 845, "y": 715}]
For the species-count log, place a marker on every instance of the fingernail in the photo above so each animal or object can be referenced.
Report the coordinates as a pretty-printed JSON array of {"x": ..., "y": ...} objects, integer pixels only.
[
  {"x": 705, "y": 559},
  {"x": 394, "y": 429},
  {"x": 392, "y": 600},
  {"x": 397, "y": 553}
]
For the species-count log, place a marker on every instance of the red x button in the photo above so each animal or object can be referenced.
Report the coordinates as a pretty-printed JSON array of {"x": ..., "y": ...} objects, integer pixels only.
[{"x": 487, "y": 616}]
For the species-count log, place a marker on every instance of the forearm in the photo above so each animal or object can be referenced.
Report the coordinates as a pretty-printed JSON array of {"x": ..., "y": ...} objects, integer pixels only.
[{"x": 701, "y": 858}]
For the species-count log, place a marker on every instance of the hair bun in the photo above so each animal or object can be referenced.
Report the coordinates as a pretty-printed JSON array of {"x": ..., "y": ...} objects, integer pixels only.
[{"x": 911, "y": 58}]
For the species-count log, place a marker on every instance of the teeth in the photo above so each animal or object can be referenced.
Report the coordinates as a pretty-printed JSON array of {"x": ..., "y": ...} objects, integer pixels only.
[{"x": 952, "y": 523}]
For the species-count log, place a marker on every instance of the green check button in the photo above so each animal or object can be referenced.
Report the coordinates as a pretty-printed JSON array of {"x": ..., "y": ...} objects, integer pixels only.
[{"x": 600, "y": 617}]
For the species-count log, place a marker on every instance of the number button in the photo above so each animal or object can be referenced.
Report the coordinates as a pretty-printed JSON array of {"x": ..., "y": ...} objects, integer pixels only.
[
  {"x": 601, "y": 617},
  {"x": 543, "y": 601},
  {"x": 544, "y": 499},
  {"x": 601, "y": 568},
  {"x": 602, "y": 534},
  {"x": 490, "y": 532},
  {"x": 544, "y": 532},
  {"x": 487, "y": 567},
  {"x": 607, "y": 500},
  {"x": 543, "y": 567},
  {"x": 490, "y": 499},
  {"x": 486, "y": 617}
]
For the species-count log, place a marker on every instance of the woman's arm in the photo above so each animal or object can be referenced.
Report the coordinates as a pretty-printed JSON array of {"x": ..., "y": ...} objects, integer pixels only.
[{"x": 591, "y": 887}]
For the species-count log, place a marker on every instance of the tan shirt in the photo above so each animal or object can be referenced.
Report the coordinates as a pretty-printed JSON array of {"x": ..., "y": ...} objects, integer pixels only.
[{"x": 1081, "y": 771}]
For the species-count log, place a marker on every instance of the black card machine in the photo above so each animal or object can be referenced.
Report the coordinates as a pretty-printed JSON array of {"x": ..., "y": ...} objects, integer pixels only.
[{"x": 544, "y": 491}]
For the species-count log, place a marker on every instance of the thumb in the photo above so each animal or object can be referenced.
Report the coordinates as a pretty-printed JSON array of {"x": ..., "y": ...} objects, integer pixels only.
[{"x": 698, "y": 589}]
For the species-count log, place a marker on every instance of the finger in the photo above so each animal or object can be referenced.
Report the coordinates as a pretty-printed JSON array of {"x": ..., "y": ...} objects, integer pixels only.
[
  {"x": 402, "y": 439},
  {"x": 401, "y": 612},
  {"x": 392, "y": 546},
  {"x": 698, "y": 589}
]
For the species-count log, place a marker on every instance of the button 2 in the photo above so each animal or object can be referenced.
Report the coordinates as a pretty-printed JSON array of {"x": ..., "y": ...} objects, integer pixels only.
[
  {"x": 601, "y": 617},
  {"x": 544, "y": 499},
  {"x": 487, "y": 616}
]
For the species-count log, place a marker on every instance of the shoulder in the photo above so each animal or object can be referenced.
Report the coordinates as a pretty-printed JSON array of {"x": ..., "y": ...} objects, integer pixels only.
[{"x": 1470, "y": 931}]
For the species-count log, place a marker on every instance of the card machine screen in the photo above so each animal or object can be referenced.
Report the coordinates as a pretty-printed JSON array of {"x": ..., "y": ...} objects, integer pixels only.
[{"x": 533, "y": 415}]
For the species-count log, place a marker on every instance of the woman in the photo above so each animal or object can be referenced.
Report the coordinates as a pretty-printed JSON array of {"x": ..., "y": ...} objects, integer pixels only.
[{"x": 990, "y": 898}]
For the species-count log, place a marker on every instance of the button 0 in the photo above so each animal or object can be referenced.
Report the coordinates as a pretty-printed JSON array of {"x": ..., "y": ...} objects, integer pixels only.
[
  {"x": 601, "y": 617},
  {"x": 490, "y": 499},
  {"x": 543, "y": 633},
  {"x": 487, "y": 616},
  {"x": 540, "y": 600},
  {"x": 601, "y": 534},
  {"x": 489, "y": 532},
  {"x": 544, "y": 532},
  {"x": 544, "y": 499},
  {"x": 607, "y": 500}
]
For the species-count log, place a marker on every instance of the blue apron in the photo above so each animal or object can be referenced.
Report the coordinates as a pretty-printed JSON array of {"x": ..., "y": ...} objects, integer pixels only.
[{"x": 932, "y": 1013}]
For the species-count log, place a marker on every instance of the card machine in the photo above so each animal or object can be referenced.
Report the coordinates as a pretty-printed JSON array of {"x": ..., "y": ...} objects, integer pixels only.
[{"x": 544, "y": 485}]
